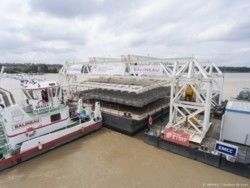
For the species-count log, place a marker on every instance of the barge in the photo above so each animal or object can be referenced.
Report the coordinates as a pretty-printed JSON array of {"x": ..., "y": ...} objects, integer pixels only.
[
  {"x": 226, "y": 144},
  {"x": 43, "y": 122}
]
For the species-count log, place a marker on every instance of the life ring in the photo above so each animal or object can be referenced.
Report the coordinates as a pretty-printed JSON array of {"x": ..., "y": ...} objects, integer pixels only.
[{"x": 30, "y": 132}]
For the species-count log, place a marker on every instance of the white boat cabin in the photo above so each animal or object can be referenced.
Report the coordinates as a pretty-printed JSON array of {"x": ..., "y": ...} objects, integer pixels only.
[{"x": 41, "y": 96}]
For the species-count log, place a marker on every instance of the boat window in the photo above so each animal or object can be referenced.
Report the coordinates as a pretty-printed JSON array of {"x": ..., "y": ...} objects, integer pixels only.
[
  {"x": 55, "y": 117},
  {"x": 33, "y": 94},
  {"x": 58, "y": 91},
  {"x": 44, "y": 93},
  {"x": 36, "y": 94},
  {"x": 26, "y": 94},
  {"x": 54, "y": 91},
  {"x": 5, "y": 99},
  {"x": 49, "y": 92}
]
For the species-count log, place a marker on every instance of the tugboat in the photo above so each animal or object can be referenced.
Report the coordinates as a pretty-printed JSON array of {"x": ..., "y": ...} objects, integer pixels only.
[{"x": 44, "y": 122}]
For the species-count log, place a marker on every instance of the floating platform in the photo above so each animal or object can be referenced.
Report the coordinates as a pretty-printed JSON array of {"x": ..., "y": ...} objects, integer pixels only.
[
  {"x": 203, "y": 153},
  {"x": 126, "y": 102}
]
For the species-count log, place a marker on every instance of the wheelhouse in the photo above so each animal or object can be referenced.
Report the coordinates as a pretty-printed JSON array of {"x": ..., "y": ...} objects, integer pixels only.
[{"x": 42, "y": 96}]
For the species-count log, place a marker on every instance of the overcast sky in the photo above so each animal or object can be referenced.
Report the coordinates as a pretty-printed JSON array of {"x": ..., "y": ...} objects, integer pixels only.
[{"x": 54, "y": 31}]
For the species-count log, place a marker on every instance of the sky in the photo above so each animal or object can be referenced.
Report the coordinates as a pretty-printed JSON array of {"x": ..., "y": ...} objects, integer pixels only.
[{"x": 55, "y": 31}]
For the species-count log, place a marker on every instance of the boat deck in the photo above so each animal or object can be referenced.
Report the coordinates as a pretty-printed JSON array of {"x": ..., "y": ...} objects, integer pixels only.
[{"x": 208, "y": 143}]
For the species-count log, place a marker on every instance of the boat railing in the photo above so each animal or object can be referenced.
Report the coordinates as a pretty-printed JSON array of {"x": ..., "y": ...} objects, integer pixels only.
[
  {"x": 5, "y": 146},
  {"x": 2, "y": 135}
]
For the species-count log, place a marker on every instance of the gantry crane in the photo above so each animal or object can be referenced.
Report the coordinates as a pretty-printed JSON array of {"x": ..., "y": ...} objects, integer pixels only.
[{"x": 195, "y": 87}]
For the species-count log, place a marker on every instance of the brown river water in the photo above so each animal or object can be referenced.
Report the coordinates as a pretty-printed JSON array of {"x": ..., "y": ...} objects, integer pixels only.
[{"x": 110, "y": 159}]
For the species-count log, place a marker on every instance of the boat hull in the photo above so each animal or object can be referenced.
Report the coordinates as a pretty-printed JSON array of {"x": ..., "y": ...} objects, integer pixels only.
[
  {"x": 35, "y": 151},
  {"x": 126, "y": 125}
]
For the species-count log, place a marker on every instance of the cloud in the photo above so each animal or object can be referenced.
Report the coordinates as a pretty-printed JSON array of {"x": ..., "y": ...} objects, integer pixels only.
[
  {"x": 66, "y": 8},
  {"x": 83, "y": 8},
  {"x": 55, "y": 31}
]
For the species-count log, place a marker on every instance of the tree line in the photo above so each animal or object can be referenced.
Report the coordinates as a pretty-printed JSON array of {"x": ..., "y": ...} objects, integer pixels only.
[
  {"x": 234, "y": 69},
  {"x": 31, "y": 68}
]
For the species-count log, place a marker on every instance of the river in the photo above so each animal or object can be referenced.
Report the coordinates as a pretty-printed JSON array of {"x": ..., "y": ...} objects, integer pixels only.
[{"x": 109, "y": 159}]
